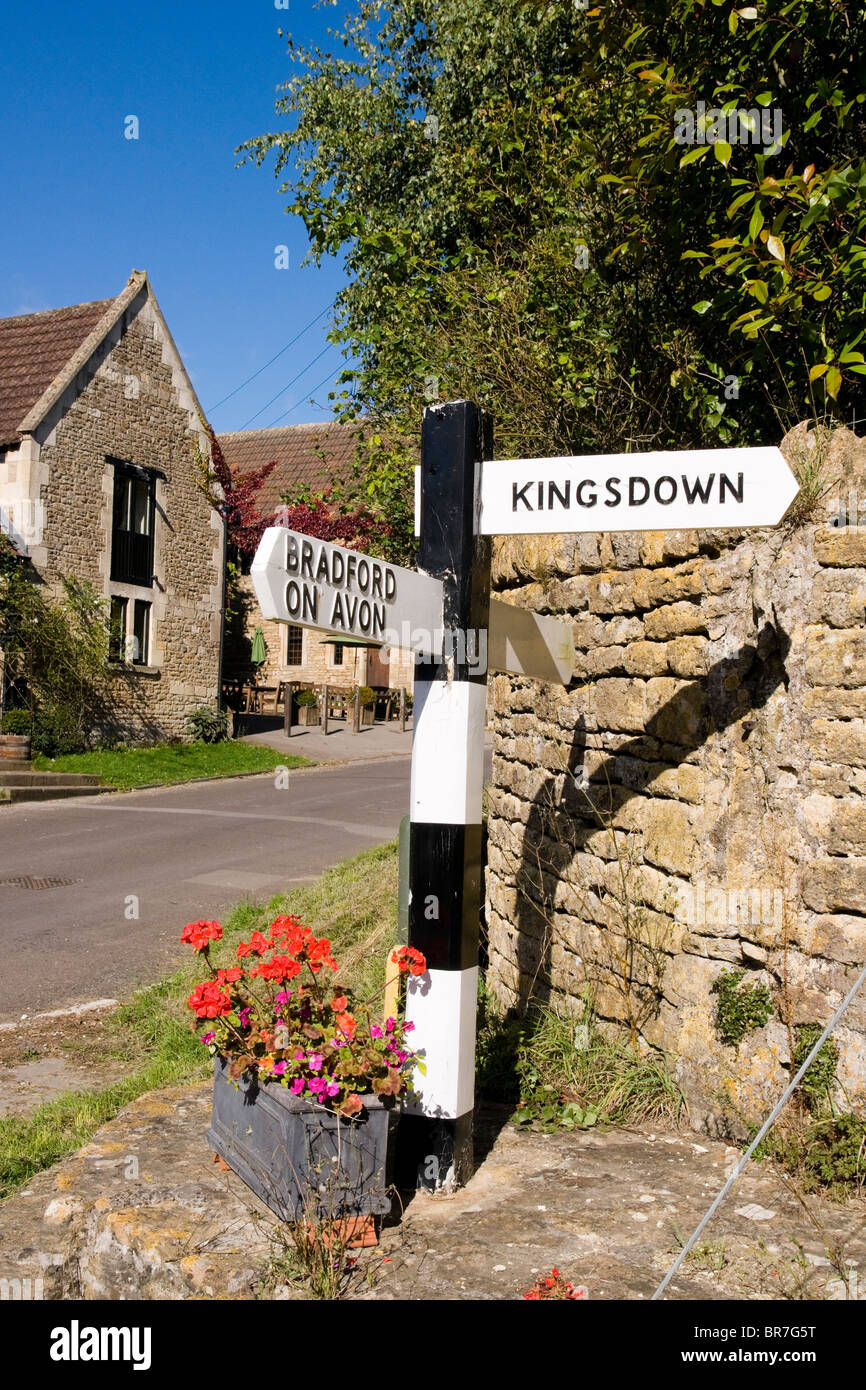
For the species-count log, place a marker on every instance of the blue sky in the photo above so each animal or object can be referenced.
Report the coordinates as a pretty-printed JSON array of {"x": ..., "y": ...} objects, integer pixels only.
[{"x": 83, "y": 205}]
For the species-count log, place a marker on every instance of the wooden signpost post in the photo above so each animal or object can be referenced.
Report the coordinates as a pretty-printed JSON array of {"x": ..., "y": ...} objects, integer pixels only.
[{"x": 445, "y": 614}]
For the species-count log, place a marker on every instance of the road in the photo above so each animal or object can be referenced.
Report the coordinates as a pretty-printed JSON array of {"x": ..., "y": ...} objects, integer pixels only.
[{"x": 171, "y": 855}]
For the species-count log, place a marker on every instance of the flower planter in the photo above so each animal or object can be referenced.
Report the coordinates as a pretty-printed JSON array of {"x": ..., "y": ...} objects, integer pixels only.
[
  {"x": 299, "y": 1158},
  {"x": 367, "y": 714},
  {"x": 308, "y": 715},
  {"x": 15, "y": 747}
]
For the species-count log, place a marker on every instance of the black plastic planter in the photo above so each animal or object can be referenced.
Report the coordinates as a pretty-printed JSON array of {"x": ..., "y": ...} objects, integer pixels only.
[{"x": 301, "y": 1159}]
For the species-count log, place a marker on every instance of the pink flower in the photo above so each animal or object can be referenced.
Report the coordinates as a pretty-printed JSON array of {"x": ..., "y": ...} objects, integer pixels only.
[
  {"x": 390, "y": 1025},
  {"x": 300, "y": 1055},
  {"x": 333, "y": 1088},
  {"x": 297, "y": 1086},
  {"x": 408, "y": 1027},
  {"x": 376, "y": 1031},
  {"x": 315, "y": 1062},
  {"x": 208, "y": 1037},
  {"x": 278, "y": 1069}
]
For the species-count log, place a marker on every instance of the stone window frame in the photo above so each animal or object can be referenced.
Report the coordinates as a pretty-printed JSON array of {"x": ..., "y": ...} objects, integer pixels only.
[
  {"x": 154, "y": 594},
  {"x": 284, "y": 645}
]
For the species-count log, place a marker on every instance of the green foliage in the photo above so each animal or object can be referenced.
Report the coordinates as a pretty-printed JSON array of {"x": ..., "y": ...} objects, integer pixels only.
[
  {"x": 56, "y": 654},
  {"x": 826, "y": 1154},
  {"x": 207, "y": 724},
  {"x": 17, "y": 721},
  {"x": 368, "y": 696},
  {"x": 567, "y": 1074},
  {"x": 306, "y": 697},
  {"x": 817, "y": 1085},
  {"x": 521, "y": 226},
  {"x": 739, "y": 1008}
]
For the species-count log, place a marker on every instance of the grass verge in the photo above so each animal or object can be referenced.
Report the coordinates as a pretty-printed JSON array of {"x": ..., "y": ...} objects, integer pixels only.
[
  {"x": 355, "y": 904},
  {"x": 167, "y": 763}
]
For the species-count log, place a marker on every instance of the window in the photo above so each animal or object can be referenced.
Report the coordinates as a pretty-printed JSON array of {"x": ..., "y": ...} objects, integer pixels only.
[
  {"x": 294, "y": 645},
  {"x": 338, "y": 654},
  {"x": 129, "y": 638},
  {"x": 117, "y": 636},
  {"x": 132, "y": 525}
]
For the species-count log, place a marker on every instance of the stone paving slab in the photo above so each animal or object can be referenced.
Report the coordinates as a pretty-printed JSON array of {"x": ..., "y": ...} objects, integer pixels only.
[{"x": 142, "y": 1212}]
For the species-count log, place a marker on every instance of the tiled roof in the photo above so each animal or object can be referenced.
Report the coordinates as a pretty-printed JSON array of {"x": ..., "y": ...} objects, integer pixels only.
[
  {"x": 34, "y": 348},
  {"x": 305, "y": 454}
]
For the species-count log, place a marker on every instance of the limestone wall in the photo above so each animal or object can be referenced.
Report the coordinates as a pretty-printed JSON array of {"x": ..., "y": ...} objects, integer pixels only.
[{"x": 694, "y": 801}]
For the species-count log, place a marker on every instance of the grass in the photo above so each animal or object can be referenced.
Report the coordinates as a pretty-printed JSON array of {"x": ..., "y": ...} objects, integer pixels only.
[
  {"x": 567, "y": 1073},
  {"x": 354, "y": 903},
  {"x": 167, "y": 763}
]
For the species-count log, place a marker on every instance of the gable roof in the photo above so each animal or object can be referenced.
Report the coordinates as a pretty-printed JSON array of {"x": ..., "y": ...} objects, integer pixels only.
[
  {"x": 34, "y": 348},
  {"x": 305, "y": 454},
  {"x": 42, "y": 354}
]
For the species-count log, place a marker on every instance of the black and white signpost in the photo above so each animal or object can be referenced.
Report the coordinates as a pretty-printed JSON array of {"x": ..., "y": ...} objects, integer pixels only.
[{"x": 445, "y": 614}]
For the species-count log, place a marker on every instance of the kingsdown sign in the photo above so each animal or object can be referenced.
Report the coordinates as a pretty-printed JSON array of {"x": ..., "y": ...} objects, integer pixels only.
[
  {"x": 676, "y": 490},
  {"x": 314, "y": 584}
]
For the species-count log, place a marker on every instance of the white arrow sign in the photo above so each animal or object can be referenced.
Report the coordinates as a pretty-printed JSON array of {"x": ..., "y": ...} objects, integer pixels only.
[
  {"x": 530, "y": 644},
  {"x": 670, "y": 491},
  {"x": 312, "y": 583}
]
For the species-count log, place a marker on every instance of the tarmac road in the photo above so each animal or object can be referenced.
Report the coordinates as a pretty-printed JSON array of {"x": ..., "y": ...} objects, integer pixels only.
[{"x": 182, "y": 852}]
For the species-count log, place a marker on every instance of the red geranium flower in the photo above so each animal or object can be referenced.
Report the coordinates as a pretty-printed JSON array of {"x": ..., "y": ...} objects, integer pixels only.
[
  {"x": 257, "y": 945},
  {"x": 209, "y": 1000},
  {"x": 200, "y": 934},
  {"x": 408, "y": 959},
  {"x": 279, "y": 969}
]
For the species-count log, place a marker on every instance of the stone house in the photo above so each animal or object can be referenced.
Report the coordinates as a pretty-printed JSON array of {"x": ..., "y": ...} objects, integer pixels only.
[
  {"x": 98, "y": 479},
  {"x": 307, "y": 457},
  {"x": 693, "y": 803}
]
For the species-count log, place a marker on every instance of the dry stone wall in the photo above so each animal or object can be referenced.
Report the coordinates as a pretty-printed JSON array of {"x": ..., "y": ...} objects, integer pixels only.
[{"x": 695, "y": 801}]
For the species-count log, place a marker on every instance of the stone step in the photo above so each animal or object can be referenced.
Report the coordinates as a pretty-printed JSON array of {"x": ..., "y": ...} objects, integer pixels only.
[
  {"x": 52, "y": 793},
  {"x": 49, "y": 779},
  {"x": 15, "y": 765}
]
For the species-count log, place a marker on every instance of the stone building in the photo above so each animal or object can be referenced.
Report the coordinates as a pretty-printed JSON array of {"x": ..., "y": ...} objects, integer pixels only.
[
  {"x": 695, "y": 802},
  {"x": 98, "y": 480},
  {"x": 307, "y": 457}
]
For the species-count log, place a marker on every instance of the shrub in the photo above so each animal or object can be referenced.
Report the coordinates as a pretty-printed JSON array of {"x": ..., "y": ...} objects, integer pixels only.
[
  {"x": 56, "y": 731},
  {"x": 306, "y": 697},
  {"x": 17, "y": 721},
  {"x": 207, "y": 724},
  {"x": 739, "y": 1008},
  {"x": 368, "y": 696}
]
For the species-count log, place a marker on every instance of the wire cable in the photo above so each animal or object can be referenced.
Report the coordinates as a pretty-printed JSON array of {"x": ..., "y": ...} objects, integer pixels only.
[
  {"x": 285, "y": 388},
  {"x": 768, "y": 1123},
  {"x": 289, "y": 344}
]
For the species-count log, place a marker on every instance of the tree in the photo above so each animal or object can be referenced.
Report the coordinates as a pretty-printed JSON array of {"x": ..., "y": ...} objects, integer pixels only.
[{"x": 523, "y": 225}]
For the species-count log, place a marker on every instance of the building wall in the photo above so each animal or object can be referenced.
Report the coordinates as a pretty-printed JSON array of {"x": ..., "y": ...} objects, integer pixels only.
[
  {"x": 135, "y": 407},
  {"x": 317, "y": 660},
  {"x": 695, "y": 801}
]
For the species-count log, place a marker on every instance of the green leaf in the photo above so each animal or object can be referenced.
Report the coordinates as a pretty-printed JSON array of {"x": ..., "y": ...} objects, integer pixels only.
[
  {"x": 694, "y": 154},
  {"x": 702, "y": 306},
  {"x": 818, "y": 370},
  {"x": 739, "y": 202},
  {"x": 764, "y": 98},
  {"x": 723, "y": 152},
  {"x": 834, "y": 381},
  {"x": 756, "y": 222},
  {"x": 776, "y": 248},
  {"x": 821, "y": 293}
]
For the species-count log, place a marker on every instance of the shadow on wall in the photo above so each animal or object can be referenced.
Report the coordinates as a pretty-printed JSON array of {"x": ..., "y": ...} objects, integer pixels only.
[{"x": 570, "y": 808}]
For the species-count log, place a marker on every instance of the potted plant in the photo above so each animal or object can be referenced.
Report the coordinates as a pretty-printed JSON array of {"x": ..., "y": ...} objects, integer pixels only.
[
  {"x": 307, "y": 1082},
  {"x": 307, "y": 704},
  {"x": 16, "y": 737},
  {"x": 368, "y": 704}
]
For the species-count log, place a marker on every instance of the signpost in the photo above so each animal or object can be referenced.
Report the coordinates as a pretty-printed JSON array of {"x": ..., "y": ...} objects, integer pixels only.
[{"x": 445, "y": 614}]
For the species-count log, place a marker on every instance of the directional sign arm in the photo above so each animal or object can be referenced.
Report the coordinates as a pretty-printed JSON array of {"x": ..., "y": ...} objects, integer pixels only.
[{"x": 530, "y": 644}]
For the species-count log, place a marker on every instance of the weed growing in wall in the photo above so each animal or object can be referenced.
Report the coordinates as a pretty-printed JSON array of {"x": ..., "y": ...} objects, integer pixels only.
[{"x": 739, "y": 1008}]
